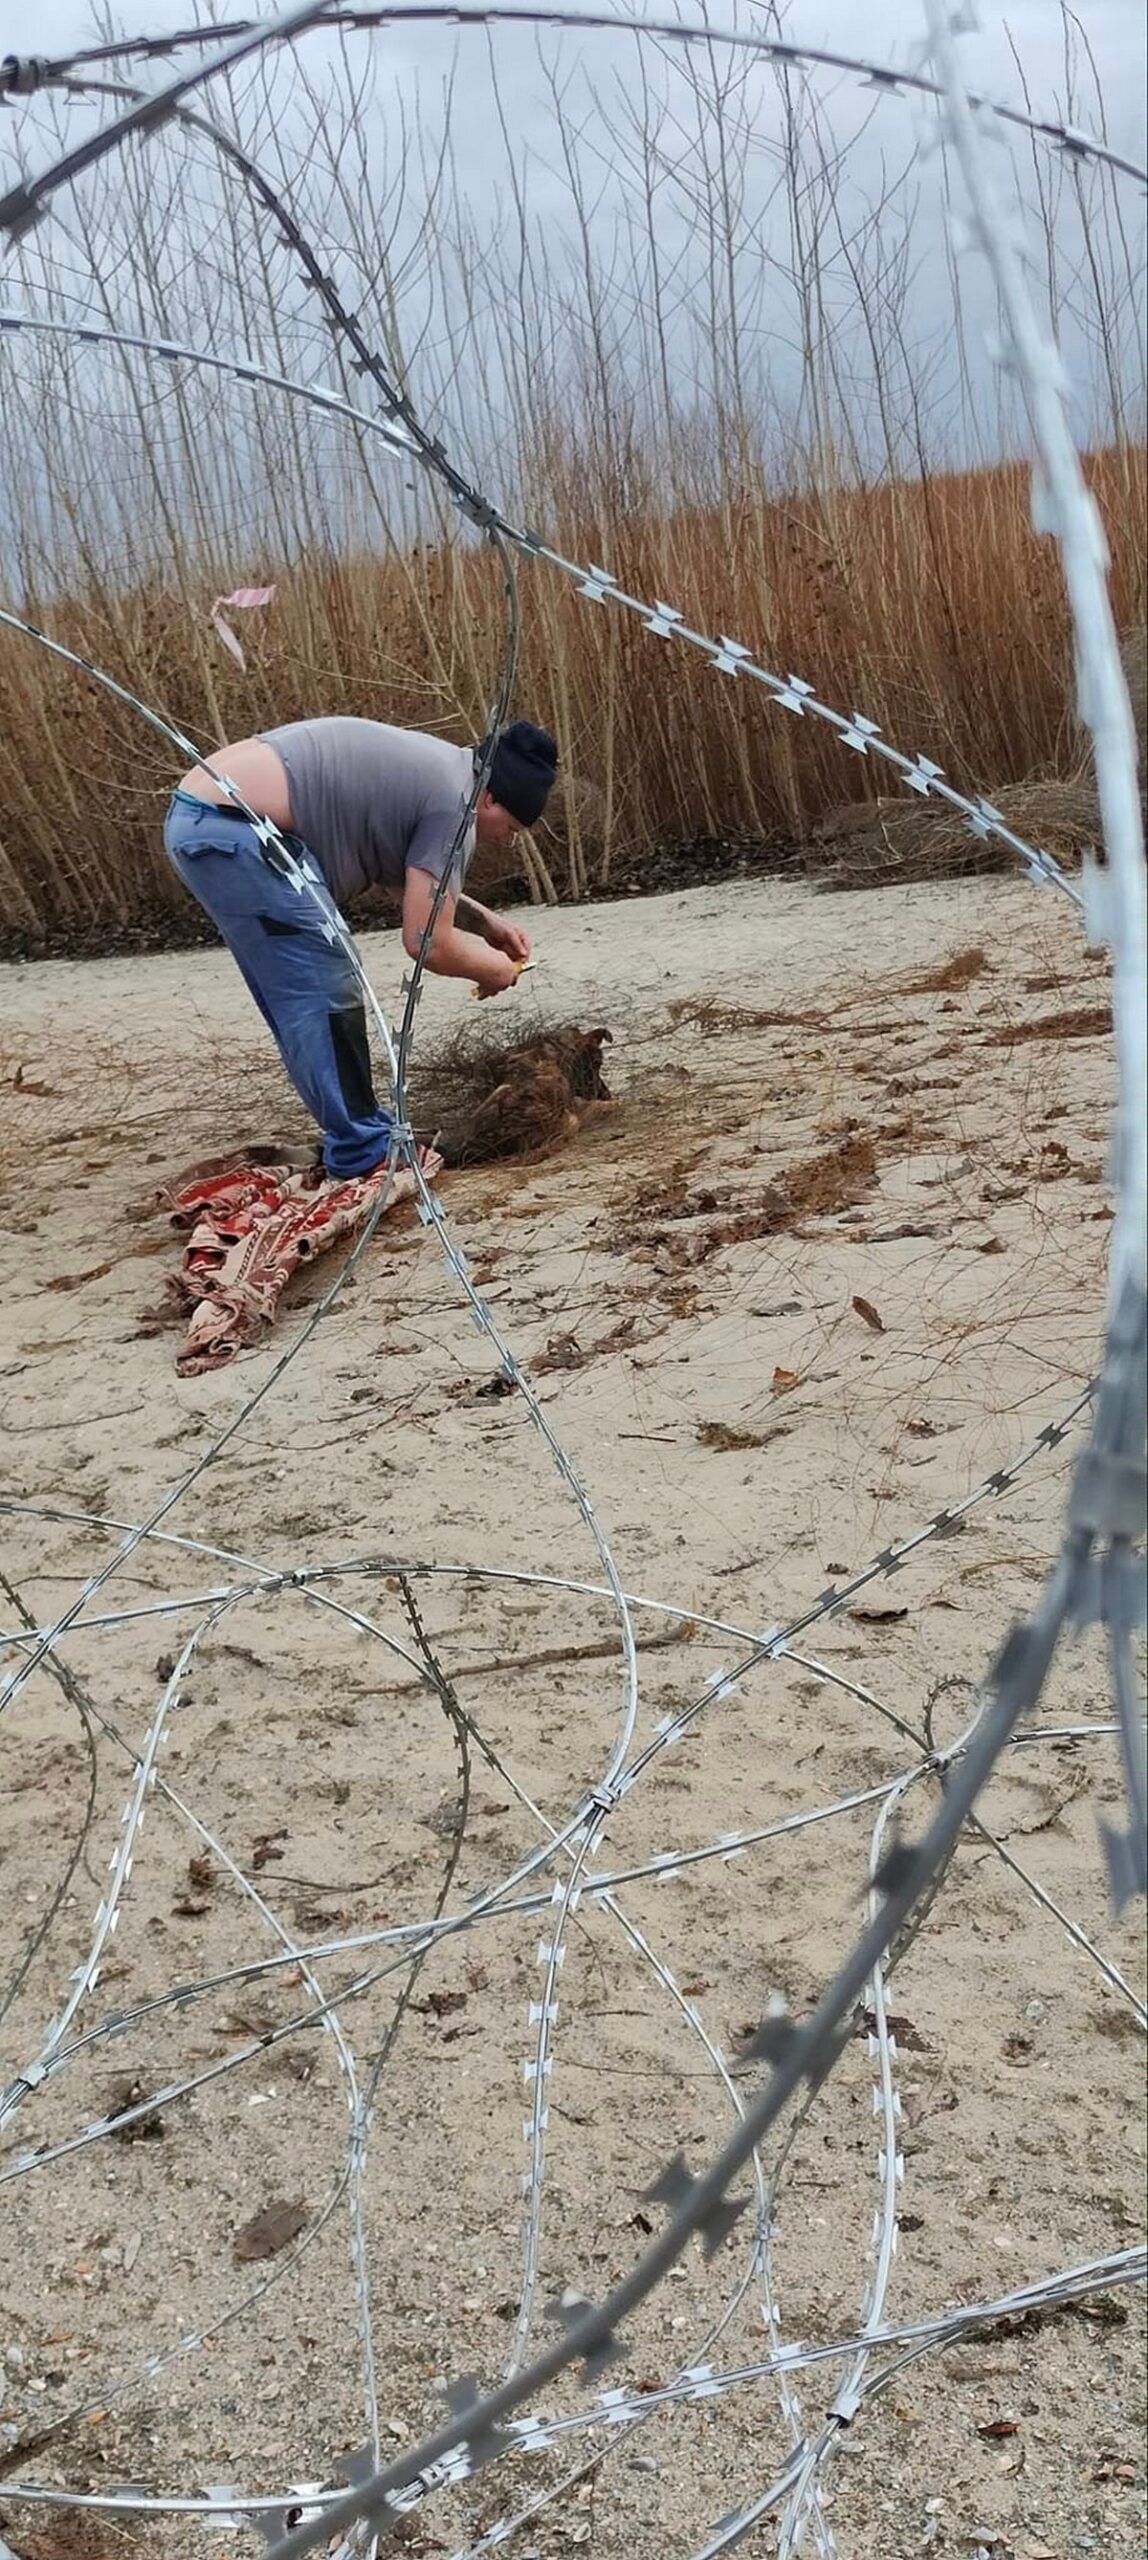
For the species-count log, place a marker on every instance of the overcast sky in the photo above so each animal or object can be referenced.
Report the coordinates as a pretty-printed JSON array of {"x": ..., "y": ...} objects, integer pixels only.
[
  {"x": 599, "y": 78},
  {"x": 889, "y": 31}
]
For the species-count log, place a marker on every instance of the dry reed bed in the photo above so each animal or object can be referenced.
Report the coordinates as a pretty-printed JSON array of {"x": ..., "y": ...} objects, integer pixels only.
[{"x": 930, "y": 605}]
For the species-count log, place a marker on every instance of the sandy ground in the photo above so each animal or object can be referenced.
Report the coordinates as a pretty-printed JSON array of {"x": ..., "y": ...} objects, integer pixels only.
[{"x": 747, "y": 1432}]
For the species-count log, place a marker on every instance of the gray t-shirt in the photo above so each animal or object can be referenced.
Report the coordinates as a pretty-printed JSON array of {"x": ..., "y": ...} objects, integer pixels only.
[{"x": 374, "y": 802}]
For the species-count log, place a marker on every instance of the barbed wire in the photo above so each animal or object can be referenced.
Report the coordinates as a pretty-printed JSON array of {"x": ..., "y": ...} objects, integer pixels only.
[
  {"x": 21, "y": 76},
  {"x": 262, "y": 2046},
  {"x": 580, "y": 1829},
  {"x": 1108, "y": 1502},
  {"x": 774, "y": 1646},
  {"x": 696, "y": 2385},
  {"x": 1047, "y": 1440},
  {"x": 1091, "y": 1580}
]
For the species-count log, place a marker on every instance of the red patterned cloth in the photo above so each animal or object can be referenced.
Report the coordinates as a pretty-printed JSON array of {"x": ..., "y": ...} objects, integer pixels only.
[{"x": 252, "y": 1219}]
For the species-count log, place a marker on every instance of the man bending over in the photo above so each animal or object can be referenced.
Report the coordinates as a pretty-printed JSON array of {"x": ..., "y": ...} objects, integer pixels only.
[{"x": 361, "y": 806}]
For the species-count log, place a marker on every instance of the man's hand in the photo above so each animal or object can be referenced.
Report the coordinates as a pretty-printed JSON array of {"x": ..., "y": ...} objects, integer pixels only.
[
  {"x": 502, "y": 935},
  {"x": 466, "y": 941},
  {"x": 500, "y": 973}
]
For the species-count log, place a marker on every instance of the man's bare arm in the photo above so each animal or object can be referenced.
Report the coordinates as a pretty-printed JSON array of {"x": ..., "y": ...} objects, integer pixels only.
[
  {"x": 497, "y": 930},
  {"x": 453, "y": 952}
]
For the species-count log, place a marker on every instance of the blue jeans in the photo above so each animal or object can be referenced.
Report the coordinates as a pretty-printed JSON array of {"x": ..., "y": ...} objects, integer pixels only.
[{"x": 303, "y": 984}]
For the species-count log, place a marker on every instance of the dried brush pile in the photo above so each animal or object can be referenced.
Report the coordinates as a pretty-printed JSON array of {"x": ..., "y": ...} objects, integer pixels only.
[{"x": 876, "y": 844}]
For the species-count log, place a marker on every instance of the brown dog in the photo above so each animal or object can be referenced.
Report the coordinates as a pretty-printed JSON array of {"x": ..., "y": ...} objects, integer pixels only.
[{"x": 542, "y": 1091}]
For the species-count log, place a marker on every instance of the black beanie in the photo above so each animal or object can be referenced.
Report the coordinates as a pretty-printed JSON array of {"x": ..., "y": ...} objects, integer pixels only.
[{"x": 525, "y": 763}]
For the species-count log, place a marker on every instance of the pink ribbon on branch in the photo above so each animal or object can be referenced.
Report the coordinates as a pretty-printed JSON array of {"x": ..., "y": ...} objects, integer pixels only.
[{"x": 244, "y": 598}]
